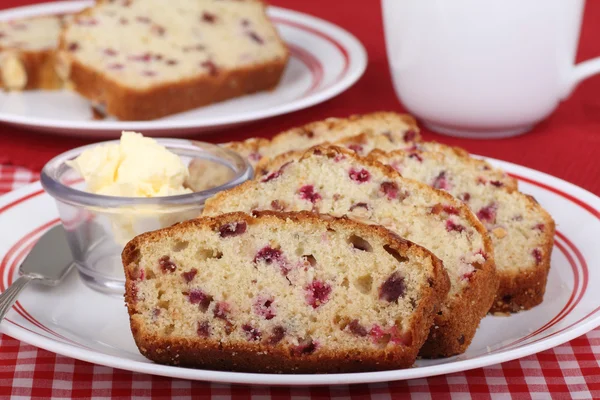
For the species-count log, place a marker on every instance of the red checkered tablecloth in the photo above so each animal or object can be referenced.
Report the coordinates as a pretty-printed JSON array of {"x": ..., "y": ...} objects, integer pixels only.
[{"x": 570, "y": 371}]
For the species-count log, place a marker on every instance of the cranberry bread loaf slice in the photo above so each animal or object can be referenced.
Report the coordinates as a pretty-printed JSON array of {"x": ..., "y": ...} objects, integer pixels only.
[
  {"x": 361, "y": 144},
  {"x": 142, "y": 59},
  {"x": 487, "y": 174},
  {"x": 398, "y": 128},
  {"x": 27, "y": 53},
  {"x": 364, "y": 143},
  {"x": 521, "y": 230},
  {"x": 335, "y": 181},
  {"x": 281, "y": 292}
]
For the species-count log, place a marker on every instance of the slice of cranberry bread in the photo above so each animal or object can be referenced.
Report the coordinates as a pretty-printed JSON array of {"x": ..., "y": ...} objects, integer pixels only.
[
  {"x": 361, "y": 144},
  {"x": 491, "y": 175},
  {"x": 142, "y": 59},
  {"x": 364, "y": 143},
  {"x": 398, "y": 128},
  {"x": 521, "y": 230},
  {"x": 335, "y": 181},
  {"x": 27, "y": 53},
  {"x": 281, "y": 292}
]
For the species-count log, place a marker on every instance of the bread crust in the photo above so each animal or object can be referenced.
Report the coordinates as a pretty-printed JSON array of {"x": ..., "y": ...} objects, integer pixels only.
[
  {"x": 458, "y": 320},
  {"x": 130, "y": 104},
  {"x": 158, "y": 101},
  {"x": 257, "y": 357}
]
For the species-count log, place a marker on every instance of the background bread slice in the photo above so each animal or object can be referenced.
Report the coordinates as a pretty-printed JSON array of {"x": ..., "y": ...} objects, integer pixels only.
[
  {"x": 335, "y": 181},
  {"x": 281, "y": 292},
  {"x": 143, "y": 60},
  {"x": 399, "y": 128},
  {"x": 396, "y": 128}
]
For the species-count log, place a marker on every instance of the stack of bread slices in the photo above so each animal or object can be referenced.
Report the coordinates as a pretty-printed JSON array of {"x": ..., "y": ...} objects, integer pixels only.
[{"x": 357, "y": 247}]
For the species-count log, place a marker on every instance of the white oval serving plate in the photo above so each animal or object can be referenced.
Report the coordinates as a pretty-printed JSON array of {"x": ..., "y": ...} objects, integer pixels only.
[
  {"x": 75, "y": 321},
  {"x": 325, "y": 61}
]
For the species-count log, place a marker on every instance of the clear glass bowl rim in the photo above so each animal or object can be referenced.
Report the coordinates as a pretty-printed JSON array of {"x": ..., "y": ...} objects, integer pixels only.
[{"x": 193, "y": 148}]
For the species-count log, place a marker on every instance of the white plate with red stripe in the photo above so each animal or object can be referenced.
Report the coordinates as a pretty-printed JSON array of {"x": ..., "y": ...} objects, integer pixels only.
[
  {"x": 76, "y": 321},
  {"x": 325, "y": 60}
]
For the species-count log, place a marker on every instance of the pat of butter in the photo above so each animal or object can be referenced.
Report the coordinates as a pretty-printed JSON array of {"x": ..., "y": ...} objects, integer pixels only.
[{"x": 136, "y": 167}]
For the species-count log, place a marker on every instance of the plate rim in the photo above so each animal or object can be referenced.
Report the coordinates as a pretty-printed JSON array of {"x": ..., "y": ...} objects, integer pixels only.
[
  {"x": 350, "y": 47},
  {"x": 586, "y": 324}
]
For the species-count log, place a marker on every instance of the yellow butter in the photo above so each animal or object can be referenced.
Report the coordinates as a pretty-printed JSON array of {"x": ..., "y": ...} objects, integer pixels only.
[{"x": 137, "y": 166}]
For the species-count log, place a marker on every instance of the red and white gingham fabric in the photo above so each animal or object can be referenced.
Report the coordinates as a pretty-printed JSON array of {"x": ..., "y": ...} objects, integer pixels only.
[{"x": 570, "y": 371}]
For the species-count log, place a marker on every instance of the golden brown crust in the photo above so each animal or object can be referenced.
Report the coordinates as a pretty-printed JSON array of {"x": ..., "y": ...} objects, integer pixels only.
[
  {"x": 449, "y": 335},
  {"x": 257, "y": 357},
  {"x": 453, "y": 335},
  {"x": 254, "y": 358},
  {"x": 525, "y": 288},
  {"x": 129, "y": 104}
]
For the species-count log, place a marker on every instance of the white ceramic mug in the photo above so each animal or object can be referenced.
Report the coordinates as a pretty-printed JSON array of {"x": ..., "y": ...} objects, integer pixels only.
[{"x": 484, "y": 69}]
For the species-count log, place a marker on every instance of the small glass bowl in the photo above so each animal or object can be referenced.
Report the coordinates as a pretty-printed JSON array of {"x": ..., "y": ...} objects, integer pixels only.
[{"x": 99, "y": 226}]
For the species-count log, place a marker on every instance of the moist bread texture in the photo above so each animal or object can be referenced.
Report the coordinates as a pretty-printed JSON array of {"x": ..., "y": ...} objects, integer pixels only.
[
  {"x": 281, "y": 292},
  {"x": 365, "y": 143}
]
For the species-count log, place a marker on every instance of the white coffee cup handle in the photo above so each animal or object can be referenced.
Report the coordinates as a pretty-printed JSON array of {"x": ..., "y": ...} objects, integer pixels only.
[{"x": 582, "y": 71}]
